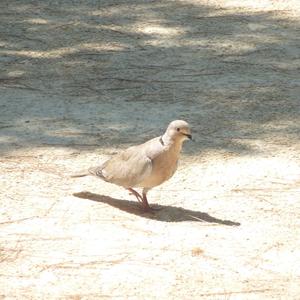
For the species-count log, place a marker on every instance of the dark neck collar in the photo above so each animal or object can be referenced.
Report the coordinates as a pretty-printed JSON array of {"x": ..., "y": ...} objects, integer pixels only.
[{"x": 161, "y": 141}]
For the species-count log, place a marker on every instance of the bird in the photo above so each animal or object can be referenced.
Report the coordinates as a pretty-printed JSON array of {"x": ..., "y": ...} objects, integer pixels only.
[{"x": 145, "y": 165}]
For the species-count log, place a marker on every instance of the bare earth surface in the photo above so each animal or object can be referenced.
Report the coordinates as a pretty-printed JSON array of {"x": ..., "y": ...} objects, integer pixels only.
[{"x": 81, "y": 80}]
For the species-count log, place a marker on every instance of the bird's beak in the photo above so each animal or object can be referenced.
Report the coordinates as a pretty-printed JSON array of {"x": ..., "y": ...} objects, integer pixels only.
[{"x": 189, "y": 136}]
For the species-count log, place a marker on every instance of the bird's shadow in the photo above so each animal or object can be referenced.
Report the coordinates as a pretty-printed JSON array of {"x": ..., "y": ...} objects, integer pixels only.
[{"x": 164, "y": 213}]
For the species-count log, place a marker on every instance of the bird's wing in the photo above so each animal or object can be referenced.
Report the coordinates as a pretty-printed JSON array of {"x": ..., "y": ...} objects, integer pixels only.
[{"x": 127, "y": 168}]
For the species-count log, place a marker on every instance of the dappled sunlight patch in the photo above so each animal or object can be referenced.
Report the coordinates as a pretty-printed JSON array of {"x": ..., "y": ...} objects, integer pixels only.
[
  {"x": 159, "y": 30},
  {"x": 102, "y": 46},
  {"x": 4, "y": 44},
  {"x": 159, "y": 34},
  {"x": 37, "y": 21},
  {"x": 16, "y": 73},
  {"x": 61, "y": 52},
  {"x": 264, "y": 4},
  {"x": 280, "y": 6},
  {"x": 41, "y": 54}
]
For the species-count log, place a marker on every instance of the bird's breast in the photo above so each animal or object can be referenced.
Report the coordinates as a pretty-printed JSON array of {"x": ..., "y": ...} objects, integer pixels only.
[{"x": 163, "y": 168}]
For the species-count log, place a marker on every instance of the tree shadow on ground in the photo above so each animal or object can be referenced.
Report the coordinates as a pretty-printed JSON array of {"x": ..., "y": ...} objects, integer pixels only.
[
  {"x": 164, "y": 213},
  {"x": 87, "y": 74}
]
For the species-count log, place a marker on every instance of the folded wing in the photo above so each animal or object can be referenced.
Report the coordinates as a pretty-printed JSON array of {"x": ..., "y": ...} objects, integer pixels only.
[{"x": 126, "y": 169}]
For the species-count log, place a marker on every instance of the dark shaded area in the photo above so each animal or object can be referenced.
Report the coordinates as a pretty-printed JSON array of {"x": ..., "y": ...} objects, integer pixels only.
[
  {"x": 87, "y": 74},
  {"x": 164, "y": 213}
]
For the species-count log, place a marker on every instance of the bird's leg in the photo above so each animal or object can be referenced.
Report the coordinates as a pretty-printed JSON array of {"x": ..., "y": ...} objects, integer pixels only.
[
  {"x": 136, "y": 194},
  {"x": 142, "y": 199},
  {"x": 145, "y": 203}
]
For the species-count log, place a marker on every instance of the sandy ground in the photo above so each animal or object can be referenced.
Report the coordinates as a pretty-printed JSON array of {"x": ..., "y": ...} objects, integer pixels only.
[{"x": 80, "y": 80}]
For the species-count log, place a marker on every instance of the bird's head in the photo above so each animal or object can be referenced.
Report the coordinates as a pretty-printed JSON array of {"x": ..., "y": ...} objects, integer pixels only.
[{"x": 179, "y": 130}]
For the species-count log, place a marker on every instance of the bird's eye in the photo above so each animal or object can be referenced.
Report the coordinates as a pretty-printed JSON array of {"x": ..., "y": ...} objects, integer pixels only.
[{"x": 178, "y": 129}]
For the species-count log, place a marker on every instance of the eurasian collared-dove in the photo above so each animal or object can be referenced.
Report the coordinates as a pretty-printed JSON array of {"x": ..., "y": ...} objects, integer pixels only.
[{"x": 147, "y": 165}]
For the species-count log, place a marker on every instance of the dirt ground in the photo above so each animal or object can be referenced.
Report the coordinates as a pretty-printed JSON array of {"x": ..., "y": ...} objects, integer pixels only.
[{"x": 81, "y": 80}]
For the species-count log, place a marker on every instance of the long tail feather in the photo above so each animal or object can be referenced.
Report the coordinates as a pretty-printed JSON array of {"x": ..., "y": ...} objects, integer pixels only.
[{"x": 80, "y": 175}]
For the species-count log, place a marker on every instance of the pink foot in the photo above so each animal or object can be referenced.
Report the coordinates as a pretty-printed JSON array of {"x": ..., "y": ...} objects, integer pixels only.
[{"x": 142, "y": 199}]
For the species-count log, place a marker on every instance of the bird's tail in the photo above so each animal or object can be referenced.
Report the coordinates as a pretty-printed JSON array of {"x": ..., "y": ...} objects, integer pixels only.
[
  {"x": 96, "y": 171},
  {"x": 80, "y": 175}
]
